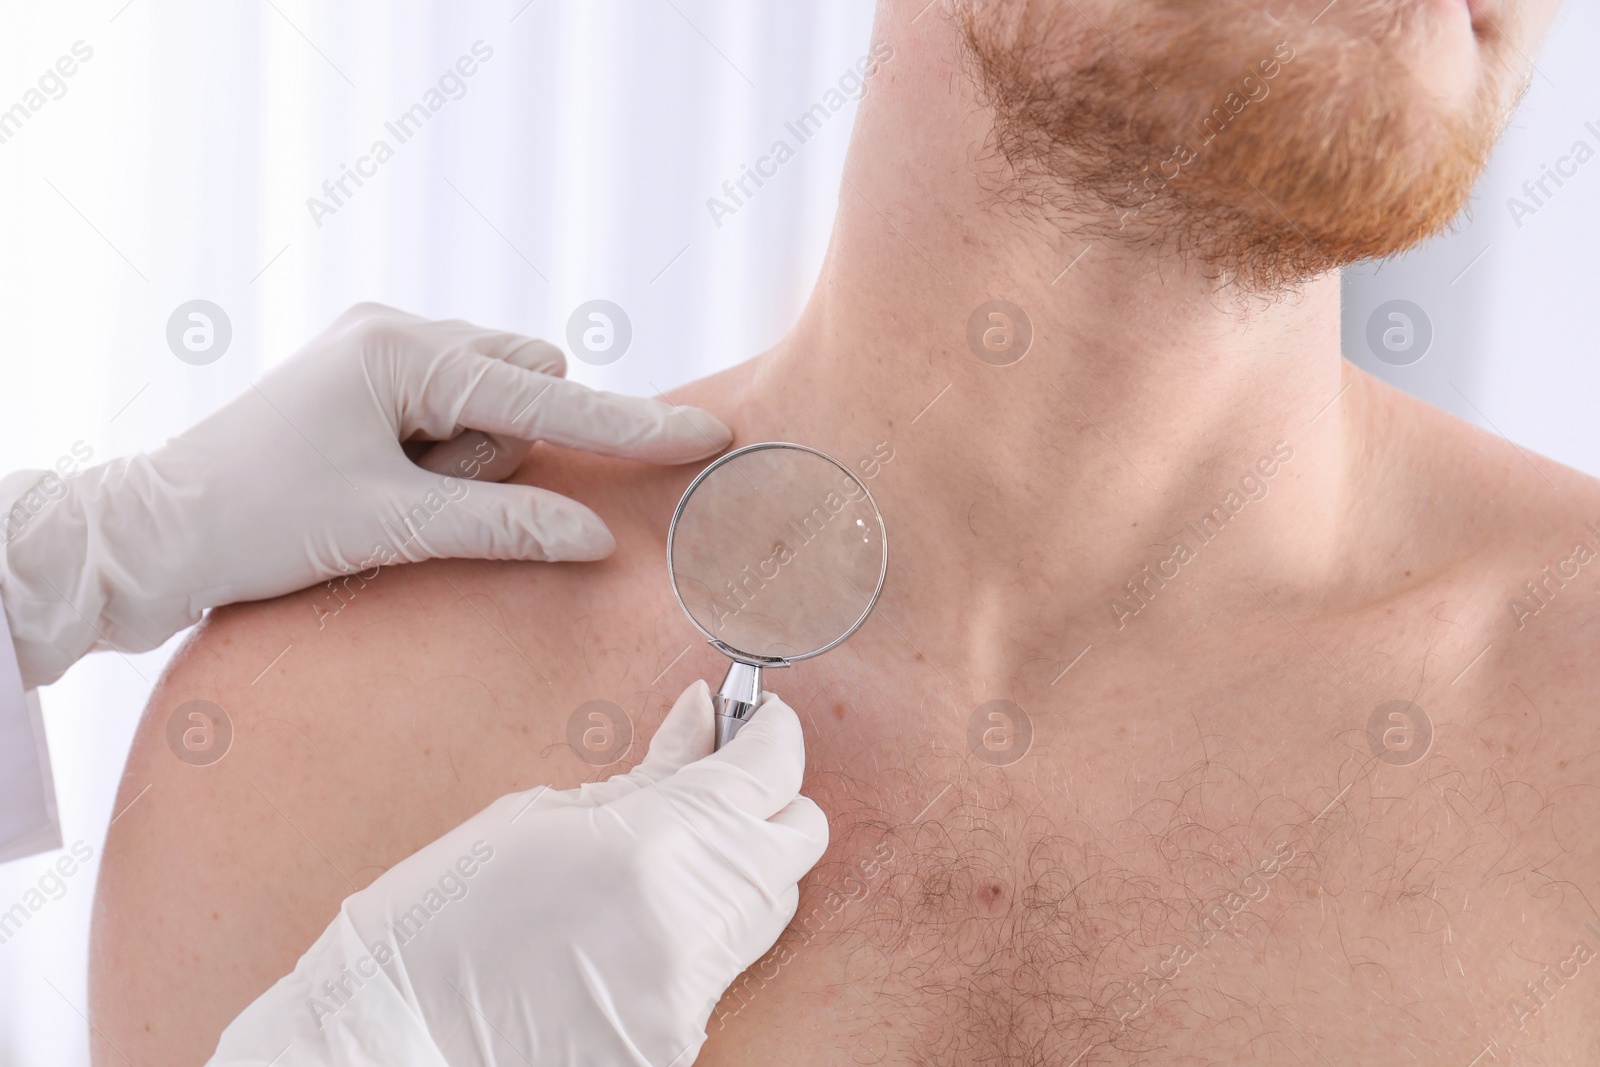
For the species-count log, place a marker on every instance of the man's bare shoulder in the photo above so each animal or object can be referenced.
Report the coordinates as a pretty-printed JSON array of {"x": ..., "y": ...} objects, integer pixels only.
[
  {"x": 502, "y": 645},
  {"x": 1512, "y": 535},
  {"x": 297, "y": 748}
]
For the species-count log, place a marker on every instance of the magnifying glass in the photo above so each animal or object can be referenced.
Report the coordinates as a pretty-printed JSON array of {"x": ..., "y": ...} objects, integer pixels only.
[{"x": 777, "y": 553}]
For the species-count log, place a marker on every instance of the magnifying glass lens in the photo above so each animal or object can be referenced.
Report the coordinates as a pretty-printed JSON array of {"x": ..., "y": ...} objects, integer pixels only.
[{"x": 777, "y": 552}]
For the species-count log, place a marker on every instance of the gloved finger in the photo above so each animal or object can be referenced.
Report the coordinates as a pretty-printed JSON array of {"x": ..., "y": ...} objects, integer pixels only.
[
  {"x": 530, "y": 353},
  {"x": 750, "y": 862},
  {"x": 756, "y": 775},
  {"x": 493, "y": 521},
  {"x": 769, "y": 924},
  {"x": 772, "y": 854},
  {"x": 802, "y": 829},
  {"x": 508, "y": 400},
  {"x": 684, "y": 736},
  {"x": 367, "y": 311},
  {"x": 488, "y": 457},
  {"x": 482, "y": 457},
  {"x": 763, "y": 927},
  {"x": 460, "y": 337},
  {"x": 463, "y": 342}
]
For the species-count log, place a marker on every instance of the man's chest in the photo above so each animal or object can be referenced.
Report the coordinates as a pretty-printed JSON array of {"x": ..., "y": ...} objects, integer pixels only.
[
  {"x": 1165, "y": 862},
  {"x": 1361, "y": 840}
]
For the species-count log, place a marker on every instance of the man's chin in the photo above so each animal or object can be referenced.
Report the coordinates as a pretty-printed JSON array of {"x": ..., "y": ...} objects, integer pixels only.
[
  {"x": 1264, "y": 161},
  {"x": 1329, "y": 181}
]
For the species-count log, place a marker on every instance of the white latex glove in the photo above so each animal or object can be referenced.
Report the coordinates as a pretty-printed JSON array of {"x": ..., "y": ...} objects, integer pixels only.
[
  {"x": 303, "y": 478},
  {"x": 598, "y": 925}
]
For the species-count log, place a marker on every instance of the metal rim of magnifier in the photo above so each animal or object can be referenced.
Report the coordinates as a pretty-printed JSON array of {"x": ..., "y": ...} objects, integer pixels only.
[{"x": 750, "y": 657}]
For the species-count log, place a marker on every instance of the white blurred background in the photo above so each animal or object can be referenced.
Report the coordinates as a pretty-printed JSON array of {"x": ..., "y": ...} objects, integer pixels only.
[{"x": 179, "y": 160}]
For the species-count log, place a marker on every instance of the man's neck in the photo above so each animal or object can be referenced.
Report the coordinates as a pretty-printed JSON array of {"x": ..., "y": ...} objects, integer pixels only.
[{"x": 1146, "y": 396}]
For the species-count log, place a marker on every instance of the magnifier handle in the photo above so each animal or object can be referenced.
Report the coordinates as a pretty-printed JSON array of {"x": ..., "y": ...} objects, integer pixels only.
[{"x": 736, "y": 699}]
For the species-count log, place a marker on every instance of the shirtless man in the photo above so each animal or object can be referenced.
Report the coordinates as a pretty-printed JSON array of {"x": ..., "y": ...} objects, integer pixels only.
[{"x": 1292, "y": 760}]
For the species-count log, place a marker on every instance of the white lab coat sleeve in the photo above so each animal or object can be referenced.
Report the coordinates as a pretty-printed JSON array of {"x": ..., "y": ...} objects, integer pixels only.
[
  {"x": 29, "y": 822},
  {"x": 337, "y": 1008}
]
